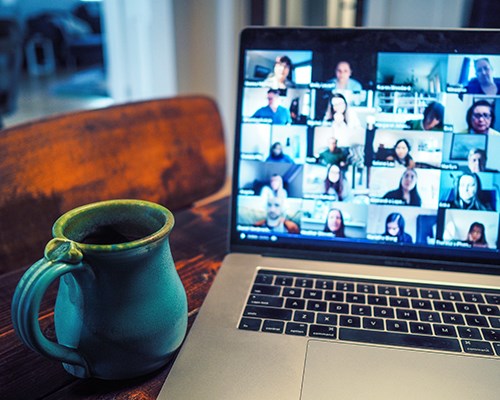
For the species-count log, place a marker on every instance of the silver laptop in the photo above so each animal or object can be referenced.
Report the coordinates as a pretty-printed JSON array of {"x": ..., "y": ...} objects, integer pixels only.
[{"x": 364, "y": 235}]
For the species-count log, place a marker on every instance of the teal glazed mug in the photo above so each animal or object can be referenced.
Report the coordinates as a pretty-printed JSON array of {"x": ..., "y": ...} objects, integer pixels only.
[{"x": 121, "y": 308}]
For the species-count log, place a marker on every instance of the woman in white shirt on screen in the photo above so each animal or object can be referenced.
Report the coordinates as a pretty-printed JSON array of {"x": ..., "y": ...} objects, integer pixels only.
[{"x": 345, "y": 123}]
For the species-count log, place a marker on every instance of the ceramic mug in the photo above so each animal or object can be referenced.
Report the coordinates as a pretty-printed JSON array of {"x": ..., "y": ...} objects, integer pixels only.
[{"x": 121, "y": 308}]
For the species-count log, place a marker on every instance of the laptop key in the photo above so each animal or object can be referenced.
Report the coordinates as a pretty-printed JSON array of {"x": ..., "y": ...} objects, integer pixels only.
[
  {"x": 429, "y": 316},
  {"x": 452, "y": 296},
  {"x": 493, "y": 299},
  {"x": 304, "y": 283},
  {"x": 334, "y": 296},
  {"x": 497, "y": 348},
  {"x": 250, "y": 324},
  {"x": 466, "y": 308},
  {"x": 420, "y": 328},
  {"x": 476, "y": 320},
  {"x": 260, "y": 300},
  {"x": 399, "y": 302},
  {"x": 473, "y": 298},
  {"x": 266, "y": 279},
  {"x": 408, "y": 292},
  {"x": 445, "y": 330},
  {"x": 355, "y": 298},
  {"x": 444, "y": 306},
  {"x": 494, "y": 322},
  {"x": 323, "y": 331},
  {"x": 421, "y": 304},
  {"x": 477, "y": 347},
  {"x": 345, "y": 286},
  {"x": 292, "y": 292},
  {"x": 396, "y": 326},
  {"x": 324, "y": 284},
  {"x": 400, "y": 339},
  {"x": 373, "y": 323},
  {"x": 365, "y": 288},
  {"x": 268, "y": 312},
  {"x": 303, "y": 316},
  {"x": 266, "y": 289},
  {"x": 387, "y": 290},
  {"x": 469, "y": 333},
  {"x": 489, "y": 310},
  {"x": 455, "y": 319},
  {"x": 315, "y": 305},
  {"x": 273, "y": 326},
  {"x": 361, "y": 310},
  {"x": 406, "y": 314},
  {"x": 429, "y": 294},
  {"x": 313, "y": 294},
  {"x": 383, "y": 312},
  {"x": 295, "y": 304},
  {"x": 377, "y": 300},
  {"x": 326, "y": 319},
  {"x": 348, "y": 320},
  {"x": 492, "y": 335},
  {"x": 339, "y": 308},
  {"x": 284, "y": 281},
  {"x": 294, "y": 328}
]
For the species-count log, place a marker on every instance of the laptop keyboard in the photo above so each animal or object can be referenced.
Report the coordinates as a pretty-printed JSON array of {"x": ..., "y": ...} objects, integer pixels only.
[{"x": 375, "y": 311}]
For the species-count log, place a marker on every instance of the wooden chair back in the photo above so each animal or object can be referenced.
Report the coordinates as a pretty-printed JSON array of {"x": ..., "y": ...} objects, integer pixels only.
[{"x": 170, "y": 151}]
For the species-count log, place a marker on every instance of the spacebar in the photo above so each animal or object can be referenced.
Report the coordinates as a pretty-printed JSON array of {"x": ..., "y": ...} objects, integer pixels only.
[{"x": 398, "y": 339}]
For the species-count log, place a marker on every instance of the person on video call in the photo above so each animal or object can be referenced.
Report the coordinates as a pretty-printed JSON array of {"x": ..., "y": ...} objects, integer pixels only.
[
  {"x": 335, "y": 183},
  {"x": 274, "y": 111},
  {"x": 335, "y": 223},
  {"x": 476, "y": 236},
  {"x": 280, "y": 77},
  {"x": 476, "y": 160},
  {"x": 276, "y": 154},
  {"x": 395, "y": 227},
  {"x": 276, "y": 220},
  {"x": 275, "y": 188},
  {"x": 432, "y": 120},
  {"x": 401, "y": 154},
  {"x": 343, "y": 80},
  {"x": 345, "y": 124},
  {"x": 407, "y": 190},
  {"x": 484, "y": 82},
  {"x": 480, "y": 118},
  {"x": 333, "y": 154},
  {"x": 466, "y": 193}
]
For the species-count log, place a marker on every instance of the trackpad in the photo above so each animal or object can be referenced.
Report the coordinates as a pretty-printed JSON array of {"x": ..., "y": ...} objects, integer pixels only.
[{"x": 339, "y": 370}]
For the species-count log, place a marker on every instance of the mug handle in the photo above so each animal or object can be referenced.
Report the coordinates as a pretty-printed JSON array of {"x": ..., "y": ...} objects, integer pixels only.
[{"x": 61, "y": 257}]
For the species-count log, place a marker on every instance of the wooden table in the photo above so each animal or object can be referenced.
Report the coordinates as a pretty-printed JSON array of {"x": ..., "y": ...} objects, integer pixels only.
[{"x": 198, "y": 242}]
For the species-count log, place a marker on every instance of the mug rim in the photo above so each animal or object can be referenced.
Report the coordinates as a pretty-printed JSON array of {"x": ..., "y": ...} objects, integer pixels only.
[{"x": 62, "y": 221}]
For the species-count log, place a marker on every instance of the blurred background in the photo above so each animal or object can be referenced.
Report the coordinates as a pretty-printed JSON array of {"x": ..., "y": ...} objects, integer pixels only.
[{"x": 65, "y": 55}]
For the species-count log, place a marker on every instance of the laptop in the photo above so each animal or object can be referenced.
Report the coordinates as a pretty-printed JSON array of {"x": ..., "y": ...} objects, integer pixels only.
[{"x": 364, "y": 233}]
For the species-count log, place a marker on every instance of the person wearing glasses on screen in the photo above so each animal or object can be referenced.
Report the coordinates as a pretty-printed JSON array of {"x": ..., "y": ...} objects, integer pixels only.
[
  {"x": 277, "y": 113},
  {"x": 484, "y": 82},
  {"x": 480, "y": 118},
  {"x": 280, "y": 77}
]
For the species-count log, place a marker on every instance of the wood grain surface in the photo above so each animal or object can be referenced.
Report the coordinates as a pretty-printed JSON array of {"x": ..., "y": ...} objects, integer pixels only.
[{"x": 198, "y": 242}]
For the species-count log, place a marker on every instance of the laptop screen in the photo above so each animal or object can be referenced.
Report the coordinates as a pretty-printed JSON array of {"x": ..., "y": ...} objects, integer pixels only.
[{"x": 375, "y": 143}]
